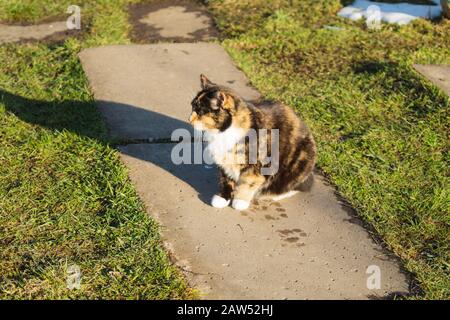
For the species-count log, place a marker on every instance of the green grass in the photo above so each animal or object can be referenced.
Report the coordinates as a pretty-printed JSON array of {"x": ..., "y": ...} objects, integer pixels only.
[
  {"x": 382, "y": 130},
  {"x": 65, "y": 197}
]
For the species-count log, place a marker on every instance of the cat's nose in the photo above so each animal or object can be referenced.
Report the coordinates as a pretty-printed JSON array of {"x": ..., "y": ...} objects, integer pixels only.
[{"x": 193, "y": 117}]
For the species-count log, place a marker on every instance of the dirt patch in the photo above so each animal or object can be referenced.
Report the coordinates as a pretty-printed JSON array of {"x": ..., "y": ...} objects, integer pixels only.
[{"x": 171, "y": 21}]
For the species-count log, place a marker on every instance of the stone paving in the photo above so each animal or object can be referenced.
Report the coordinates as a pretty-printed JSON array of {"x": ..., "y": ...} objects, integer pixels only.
[{"x": 16, "y": 33}]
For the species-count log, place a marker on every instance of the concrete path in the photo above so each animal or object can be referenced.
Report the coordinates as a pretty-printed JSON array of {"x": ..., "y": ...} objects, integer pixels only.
[
  {"x": 438, "y": 74},
  {"x": 307, "y": 247},
  {"x": 15, "y": 33}
]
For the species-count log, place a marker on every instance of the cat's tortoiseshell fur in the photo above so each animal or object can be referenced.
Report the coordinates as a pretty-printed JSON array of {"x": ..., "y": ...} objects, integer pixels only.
[{"x": 218, "y": 110}]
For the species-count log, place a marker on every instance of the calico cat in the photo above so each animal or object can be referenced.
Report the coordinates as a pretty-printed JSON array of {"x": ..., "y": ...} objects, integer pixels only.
[{"x": 226, "y": 121}]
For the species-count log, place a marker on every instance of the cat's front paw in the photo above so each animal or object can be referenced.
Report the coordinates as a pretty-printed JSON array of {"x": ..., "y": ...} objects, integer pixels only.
[
  {"x": 239, "y": 204},
  {"x": 219, "y": 202}
]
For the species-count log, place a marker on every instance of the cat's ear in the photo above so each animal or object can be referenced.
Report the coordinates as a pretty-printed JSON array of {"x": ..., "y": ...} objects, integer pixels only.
[
  {"x": 226, "y": 101},
  {"x": 221, "y": 101},
  {"x": 205, "y": 82}
]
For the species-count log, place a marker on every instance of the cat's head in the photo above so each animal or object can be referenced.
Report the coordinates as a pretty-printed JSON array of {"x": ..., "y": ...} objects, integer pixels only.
[{"x": 213, "y": 107}]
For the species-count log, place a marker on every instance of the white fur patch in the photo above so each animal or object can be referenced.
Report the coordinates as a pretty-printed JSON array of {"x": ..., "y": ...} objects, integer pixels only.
[
  {"x": 219, "y": 146},
  {"x": 219, "y": 202},
  {"x": 239, "y": 204}
]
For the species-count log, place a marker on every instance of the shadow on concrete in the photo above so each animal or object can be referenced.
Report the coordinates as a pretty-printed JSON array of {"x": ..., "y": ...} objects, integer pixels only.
[
  {"x": 131, "y": 124},
  {"x": 203, "y": 179}
]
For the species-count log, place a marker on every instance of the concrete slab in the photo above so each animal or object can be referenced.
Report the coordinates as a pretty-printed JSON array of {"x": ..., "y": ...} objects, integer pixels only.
[
  {"x": 438, "y": 74},
  {"x": 15, "y": 33},
  {"x": 171, "y": 21},
  {"x": 305, "y": 247},
  {"x": 158, "y": 82}
]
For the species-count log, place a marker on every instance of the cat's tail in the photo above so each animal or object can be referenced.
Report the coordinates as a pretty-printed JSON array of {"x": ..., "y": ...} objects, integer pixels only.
[{"x": 306, "y": 184}]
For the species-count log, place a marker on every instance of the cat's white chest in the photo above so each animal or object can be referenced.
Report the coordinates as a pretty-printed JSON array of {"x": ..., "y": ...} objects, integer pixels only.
[{"x": 220, "y": 148}]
